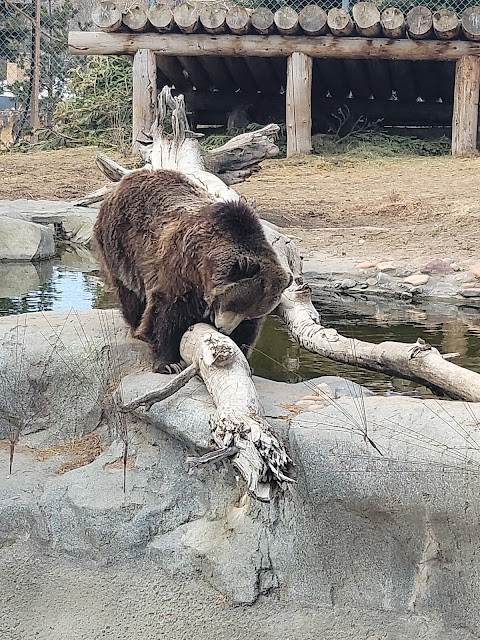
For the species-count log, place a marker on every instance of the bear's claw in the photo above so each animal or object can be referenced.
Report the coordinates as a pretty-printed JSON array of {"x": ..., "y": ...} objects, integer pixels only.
[{"x": 173, "y": 367}]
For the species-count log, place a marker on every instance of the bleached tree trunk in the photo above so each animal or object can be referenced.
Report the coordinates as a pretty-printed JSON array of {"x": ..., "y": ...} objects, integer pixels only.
[{"x": 237, "y": 420}]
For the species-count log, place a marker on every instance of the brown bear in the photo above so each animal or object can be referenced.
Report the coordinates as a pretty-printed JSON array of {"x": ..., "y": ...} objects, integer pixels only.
[{"x": 175, "y": 257}]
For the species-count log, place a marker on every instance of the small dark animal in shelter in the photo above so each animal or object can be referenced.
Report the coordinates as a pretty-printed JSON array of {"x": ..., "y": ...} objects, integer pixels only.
[{"x": 175, "y": 257}]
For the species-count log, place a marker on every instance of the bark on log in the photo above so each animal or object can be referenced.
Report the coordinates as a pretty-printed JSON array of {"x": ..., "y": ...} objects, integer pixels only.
[
  {"x": 420, "y": 23},
  {"x": 98, "y": 43},
  {"x": 313, "y": 20},
  {"x": 446, "y": 25},
  {"x": 135, "y": 18},
  {"x": 367, "y": 19},
  {"x": 339, "y": 22},
  {"x": 160, "y": 16},
  {"x": 235, "y": 177},
  {"x": 144, "y": 85},
  {"x": 243, "y": 151},
  {"x": 393, "y": 23},
  {"x": 238, "y": 21},
  {"x": 471, "y": 23},
  {"x": 286, "y": 21},
  {"x": 187, "y": 18},
  {"x": 107, "y": 17},
  {"x": 213, "y": 18},
  {"x": 299, "y": 104},
  {"x": 465, "y": 106},
  {"x": 262, "y": 21}
]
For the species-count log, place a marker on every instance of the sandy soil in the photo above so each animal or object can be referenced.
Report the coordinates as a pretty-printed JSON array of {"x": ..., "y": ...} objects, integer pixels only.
[{"x": 402, "y": 209}]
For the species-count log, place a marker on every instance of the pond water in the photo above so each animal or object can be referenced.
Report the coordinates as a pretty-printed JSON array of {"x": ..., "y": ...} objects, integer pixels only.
[{"x": 72, "y": 281}]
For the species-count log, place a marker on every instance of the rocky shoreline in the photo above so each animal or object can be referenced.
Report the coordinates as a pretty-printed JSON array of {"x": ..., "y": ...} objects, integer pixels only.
[{"x": 422, "y": 278}]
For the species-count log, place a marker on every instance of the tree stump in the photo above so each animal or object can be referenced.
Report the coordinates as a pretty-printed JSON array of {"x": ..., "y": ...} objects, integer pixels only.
[
  {"x": 367, "y": 19},
  {"x": 340, "y": 23},
  {"x": 313, "y": 20}
]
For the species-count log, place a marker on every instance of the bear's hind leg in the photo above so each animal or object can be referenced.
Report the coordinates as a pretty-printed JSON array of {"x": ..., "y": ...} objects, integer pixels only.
[
  {"x": 131, "y": 305},
  {"x": 246, "y": 334}
]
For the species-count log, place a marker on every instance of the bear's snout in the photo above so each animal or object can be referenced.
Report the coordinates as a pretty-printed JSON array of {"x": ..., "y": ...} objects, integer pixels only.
[{"x": 227, "y": 321}]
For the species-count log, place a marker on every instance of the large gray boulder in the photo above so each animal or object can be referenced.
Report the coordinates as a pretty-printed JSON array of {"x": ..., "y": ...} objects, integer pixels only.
[
  {"x": 73, "y": 223},
  {"x": 21, "y": 240},
  {"x": 391, "y": 530}
]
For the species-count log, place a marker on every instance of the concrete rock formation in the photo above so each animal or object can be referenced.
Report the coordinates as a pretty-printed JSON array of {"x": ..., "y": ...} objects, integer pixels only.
[{"x": 368, "y": 541}]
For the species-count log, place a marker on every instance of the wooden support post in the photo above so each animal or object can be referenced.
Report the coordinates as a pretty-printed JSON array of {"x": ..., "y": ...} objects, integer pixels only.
[
  {"x": 465, "y": 106},
  {"x": 299, "y": 104},
  {"x": 144, "y": 94}
]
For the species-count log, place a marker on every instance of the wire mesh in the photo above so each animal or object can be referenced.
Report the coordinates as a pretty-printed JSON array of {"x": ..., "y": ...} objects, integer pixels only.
[{"x": 19, "y": 64}]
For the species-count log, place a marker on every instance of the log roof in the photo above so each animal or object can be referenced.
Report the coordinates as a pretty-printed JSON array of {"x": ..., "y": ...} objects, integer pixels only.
[{"x": 364, "y": 20}]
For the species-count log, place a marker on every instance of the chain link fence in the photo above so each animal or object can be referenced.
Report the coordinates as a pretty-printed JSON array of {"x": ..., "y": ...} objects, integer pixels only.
[{"x": 33, "y": 53}]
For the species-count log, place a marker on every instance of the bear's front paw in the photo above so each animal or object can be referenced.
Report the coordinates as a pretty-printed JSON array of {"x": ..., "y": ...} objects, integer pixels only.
[{"x": 160, "y": 366}]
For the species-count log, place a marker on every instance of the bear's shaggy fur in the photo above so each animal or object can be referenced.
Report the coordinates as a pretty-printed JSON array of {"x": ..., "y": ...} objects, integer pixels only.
[{"x": 177, "y": 257}]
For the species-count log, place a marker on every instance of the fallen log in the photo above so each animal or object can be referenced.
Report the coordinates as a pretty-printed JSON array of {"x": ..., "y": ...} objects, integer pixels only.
[
  {"x": 237, "y": 420},
  {"x": 233, "y": 162},
  {"x": 242, "y": 151}
]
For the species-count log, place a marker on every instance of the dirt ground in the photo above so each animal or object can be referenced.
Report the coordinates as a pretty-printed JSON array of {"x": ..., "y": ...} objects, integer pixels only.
[{"x": 404, "y": 208}]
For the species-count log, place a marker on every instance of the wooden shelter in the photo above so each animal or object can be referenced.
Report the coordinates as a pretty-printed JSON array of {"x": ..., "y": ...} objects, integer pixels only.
[{"x": 423, "y": 67}]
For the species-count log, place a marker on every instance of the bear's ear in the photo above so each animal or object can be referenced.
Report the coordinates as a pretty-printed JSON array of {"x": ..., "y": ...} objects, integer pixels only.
[{"x": 244, "y": 267}]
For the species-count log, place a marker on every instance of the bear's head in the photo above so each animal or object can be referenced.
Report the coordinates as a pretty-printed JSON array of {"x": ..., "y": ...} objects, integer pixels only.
[{"x": 247, "y": 287}]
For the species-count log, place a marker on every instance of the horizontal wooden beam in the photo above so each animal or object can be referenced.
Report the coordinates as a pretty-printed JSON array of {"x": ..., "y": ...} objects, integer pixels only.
[{"x": 85, "y": 43}]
